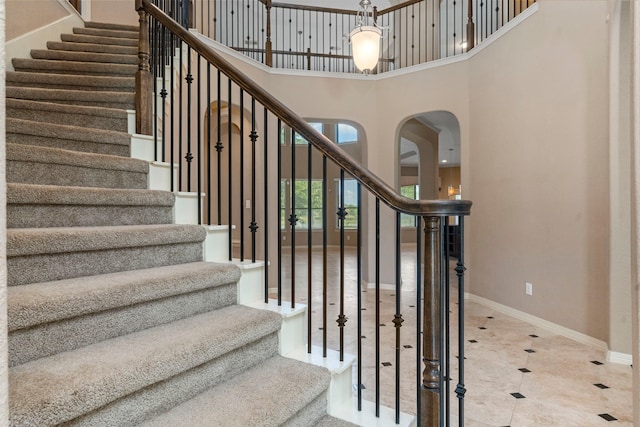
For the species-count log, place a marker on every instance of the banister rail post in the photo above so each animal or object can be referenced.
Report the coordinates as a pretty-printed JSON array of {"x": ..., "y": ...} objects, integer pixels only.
[
  {"x": 268, "y": 60},
  {"x": 471, "y": 27},
  {"x": 431, "y": 325},
  {"x": 144, "y": 79}
]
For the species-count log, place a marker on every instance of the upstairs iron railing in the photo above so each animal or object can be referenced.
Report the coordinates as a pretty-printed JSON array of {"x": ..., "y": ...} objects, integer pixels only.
[
  {"x": 303, "y": 37},
  {"x": 233, "y": 141}
]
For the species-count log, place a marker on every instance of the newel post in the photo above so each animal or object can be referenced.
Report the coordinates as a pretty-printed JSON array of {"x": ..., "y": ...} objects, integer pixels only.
[
  {"x": 268, "y": 60},
  {"x": 471, "y": 27},
  {"x": 431, "y": 326},
  {"x": 144, "y": 79}
]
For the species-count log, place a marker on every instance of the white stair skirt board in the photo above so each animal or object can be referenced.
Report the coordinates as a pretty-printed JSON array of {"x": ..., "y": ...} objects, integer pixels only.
[
  {"x": 292, "y": 335},
  {"x": 367, "y": 417},
  {"x": 131, "y": 121},
  {"x": 216, "y": 244},
  {"x": 185, "y": 209},
  {"x": 142, "y": 147},
  {"x": 160, "y": 175},
  {"x": 251, "y": 283}
]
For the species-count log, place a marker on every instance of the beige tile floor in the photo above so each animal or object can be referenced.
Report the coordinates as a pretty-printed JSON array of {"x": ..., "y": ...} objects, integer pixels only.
[{"x": 562, "y": 382}]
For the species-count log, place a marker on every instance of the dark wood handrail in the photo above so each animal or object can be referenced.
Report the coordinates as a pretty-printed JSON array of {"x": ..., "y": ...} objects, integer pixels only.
[
  {"x": 398, "y": 6},
  {"x": 367, "y": 178},
  {"x": 298, "y": 53}
]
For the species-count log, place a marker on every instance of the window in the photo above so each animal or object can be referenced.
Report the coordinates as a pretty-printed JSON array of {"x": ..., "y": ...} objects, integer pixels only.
[
  {"x": 301, "y": 141},
  {"x": 346, "y": 134},
  {"x": 302, "y": 199},
  {"x": 411, "y": 192},
  {"x": 350, "y": 203}
]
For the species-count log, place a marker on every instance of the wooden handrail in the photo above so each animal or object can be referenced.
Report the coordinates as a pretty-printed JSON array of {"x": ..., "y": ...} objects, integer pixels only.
[
  {"x": 367, "y": 178},
  {"x": 398, "y": 6}
]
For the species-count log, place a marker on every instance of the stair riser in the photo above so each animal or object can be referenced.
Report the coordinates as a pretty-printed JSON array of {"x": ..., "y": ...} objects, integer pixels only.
[
  {"x": 110, "y": 26},
  {"x": 84, "y": 38},
  {"x": 140, "y": 406},
  {"x": 94, "y": 48},
  {"x": 68, "y": 144},
  {"x": 105, "y": 59},
  {"x": 87, "y": 103},
  {"x": 96, "y": 122},
  {"x": 107, "y": 33},
  {"x": 55, "y": 174},
  {"x": 56, "y": 86},
  {"x": 52, "y": 338},
  {"x": 310, "y": 414},
  {"x": 23, "y": 270},
  {"x": 76, "y": 68},
  {"x": 40, "y": 216}
]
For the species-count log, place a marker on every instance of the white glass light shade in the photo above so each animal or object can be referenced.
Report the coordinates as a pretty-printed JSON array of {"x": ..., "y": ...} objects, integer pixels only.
[{"x": 365, "y": 45}]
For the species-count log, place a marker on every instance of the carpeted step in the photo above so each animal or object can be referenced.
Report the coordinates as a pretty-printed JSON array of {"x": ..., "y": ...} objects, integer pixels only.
[
  {"x": 273, "y": 393},
  {"x": 110, "y": 26},
  {"x": 92, "y": 47},
  {"x": 102, "y": 58},
  {"x": 52, "y": 166},
  {"x": 65, "y": 114},
  {"x": 73, "y": 67},
  {"x": 45, "y": 254},
  {"x": 101, "y": 32},
  {"x": 67, "y": 137},
  {"x": 52, "y": 317},
  {"x": 84, "y": 38},
  {"x": 122, "y": 100},
  {"x": 128, "y": 378},
  {"x": 41, "y": 206},
  {"x": 69, "y": 81}
]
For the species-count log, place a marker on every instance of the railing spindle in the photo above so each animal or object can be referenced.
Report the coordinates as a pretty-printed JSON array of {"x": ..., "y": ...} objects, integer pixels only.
[
  {"x": 241, "y": 200},
  {"x": 377, "y": 276},
  {"x": 230, "y": 164},
  {"x": 266, "y": 205},
  {"x": 309, "y": 243},
  {"x": 253, "y": 136},
  {"x": 397, "y": 318}
]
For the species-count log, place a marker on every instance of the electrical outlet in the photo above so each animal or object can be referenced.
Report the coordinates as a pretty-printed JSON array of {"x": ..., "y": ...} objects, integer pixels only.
[
  {"x": 528, "y": 288},
  {"x": 247, "y": 204}
]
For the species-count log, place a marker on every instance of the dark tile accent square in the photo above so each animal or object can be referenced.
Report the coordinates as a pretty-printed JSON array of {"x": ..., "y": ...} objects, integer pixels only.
[
  {"x": 412, "y": 306},
  {"x": 530, "y": 350},
  {"x": 608, "y": 417},
  {"x": 362, "y": 387},
  {"x": 392, "y": 295},
  {"x": 363, "y": 336},
  {"x": 382, "y": 324},
  {"x": 482, "y": 327},
  {"x": 602, "y": 386},
  {"x": 533, "y": 336},
  {"x": 489, "y": 317},
  {"x": 473, "y": 341},
  {"x": 363, "y": 309},
  {"x": 518, "y": 395},
  {"x": 320, "y": 328},
  {"x": 595, "y": 362},
  {"x": 524, "y": 370},
  {"x": 407, "y": 346},
  {"x": 386, "y": 363},
  {"x": 332, "y": 303}
]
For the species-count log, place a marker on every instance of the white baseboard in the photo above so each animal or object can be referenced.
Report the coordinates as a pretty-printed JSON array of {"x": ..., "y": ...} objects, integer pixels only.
[
  {"x": 620, "y": 358},
  {"x": 541, "y": 323}
]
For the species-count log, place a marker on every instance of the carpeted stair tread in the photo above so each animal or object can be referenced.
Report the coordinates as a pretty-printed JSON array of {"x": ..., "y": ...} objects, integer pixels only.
[
  {"x": 268, "y": 394},
  {"x": 104, "y": 58},
  {"x": 93, "y": 47},
  {"x": 110, "y": 26},
  {"x": 38, "y": 206},
  {"x": 38, "y": 303},
  {"x": 36, "y": 241},
  {"x": 85, "y": 38},
  {"x": 62, "y": 387},
  {"x": 81, "y": 312},
  {"x": 108, "y": 99},
  {"x": 22, "y": 161},
  {"x": 114, "y": 119},
  {"x": 69, "y": 81},
  {"x": 73, "y": 67},
  {"x": 45, "y": 254},
  {"x": 67, "y": 137},
  {"x": 329, "y": 421},
  {"x": 101, "y": 32}
]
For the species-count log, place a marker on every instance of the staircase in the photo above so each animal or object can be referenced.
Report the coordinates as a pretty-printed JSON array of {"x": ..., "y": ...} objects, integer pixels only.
[{"x": 114, "y": 318}]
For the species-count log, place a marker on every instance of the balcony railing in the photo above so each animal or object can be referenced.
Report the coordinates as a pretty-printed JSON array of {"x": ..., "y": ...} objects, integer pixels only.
[{"x": 302, "y": 37}]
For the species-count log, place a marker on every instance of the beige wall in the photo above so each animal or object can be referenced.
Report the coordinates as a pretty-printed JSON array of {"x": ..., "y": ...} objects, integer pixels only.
[
  {"x": 25, "y": 16},
  {"x": 116, "y": 11},
  {"x": 539, "y": 167}
]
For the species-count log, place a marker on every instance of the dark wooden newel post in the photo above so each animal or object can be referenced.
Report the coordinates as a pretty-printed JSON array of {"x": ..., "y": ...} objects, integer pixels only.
[
  {"x": 471, "y": 28},
  {"x": 144, "y": 79},
  {"x": 268, "y": 61},
  {"x": 431, "y": 339}
]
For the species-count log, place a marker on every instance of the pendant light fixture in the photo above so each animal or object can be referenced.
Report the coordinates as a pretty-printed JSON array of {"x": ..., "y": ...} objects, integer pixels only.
[{"x": 365, "y": 39}]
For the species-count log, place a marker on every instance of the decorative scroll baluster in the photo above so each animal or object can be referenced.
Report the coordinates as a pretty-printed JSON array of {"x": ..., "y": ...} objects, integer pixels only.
[
  {"x": 253, "y": 136},
  {"x": 219, "y": 147},
  {"x": 342, "y": 213},
  {"x": 189, "y": 156},
  {"x": 430, "y": 401},
  {"x": 397, "y": 318}
]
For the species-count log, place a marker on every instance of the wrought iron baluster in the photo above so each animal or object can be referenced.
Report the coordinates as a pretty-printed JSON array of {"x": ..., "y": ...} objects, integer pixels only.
[
  {"x": 266, "y": 205},
  {"x": 397, "y": 318},
  {"x": 309, "y": 242},
  {"x": 293, "y": 218},
  {"x": 198, "y": 145},
  {"x": 324, "y": 255},
  {"x": 253, "y": 227},
  {"x": 460, "y": 269},
  {"x": 230, "y": 164},
  {"x": 377, "y": 273},
  {"x": 342, "y": 213},
  {"x": 208, "y": 109},
  {"x": 280, "y": 208},
  {"x": 359, "y": 290},
  {"x": 219, "y": 147},
  {"x": 189, "y": 156},
  {"x": 180, "y": 105},
  {"x": 241, "y": 205},
  {"x": 418, "y": 319},
  {"x": 172, "y": 121}
]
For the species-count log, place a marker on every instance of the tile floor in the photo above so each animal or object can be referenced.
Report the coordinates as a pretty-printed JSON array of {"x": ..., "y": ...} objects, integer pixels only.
[{"x": 516, "y": 374}]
